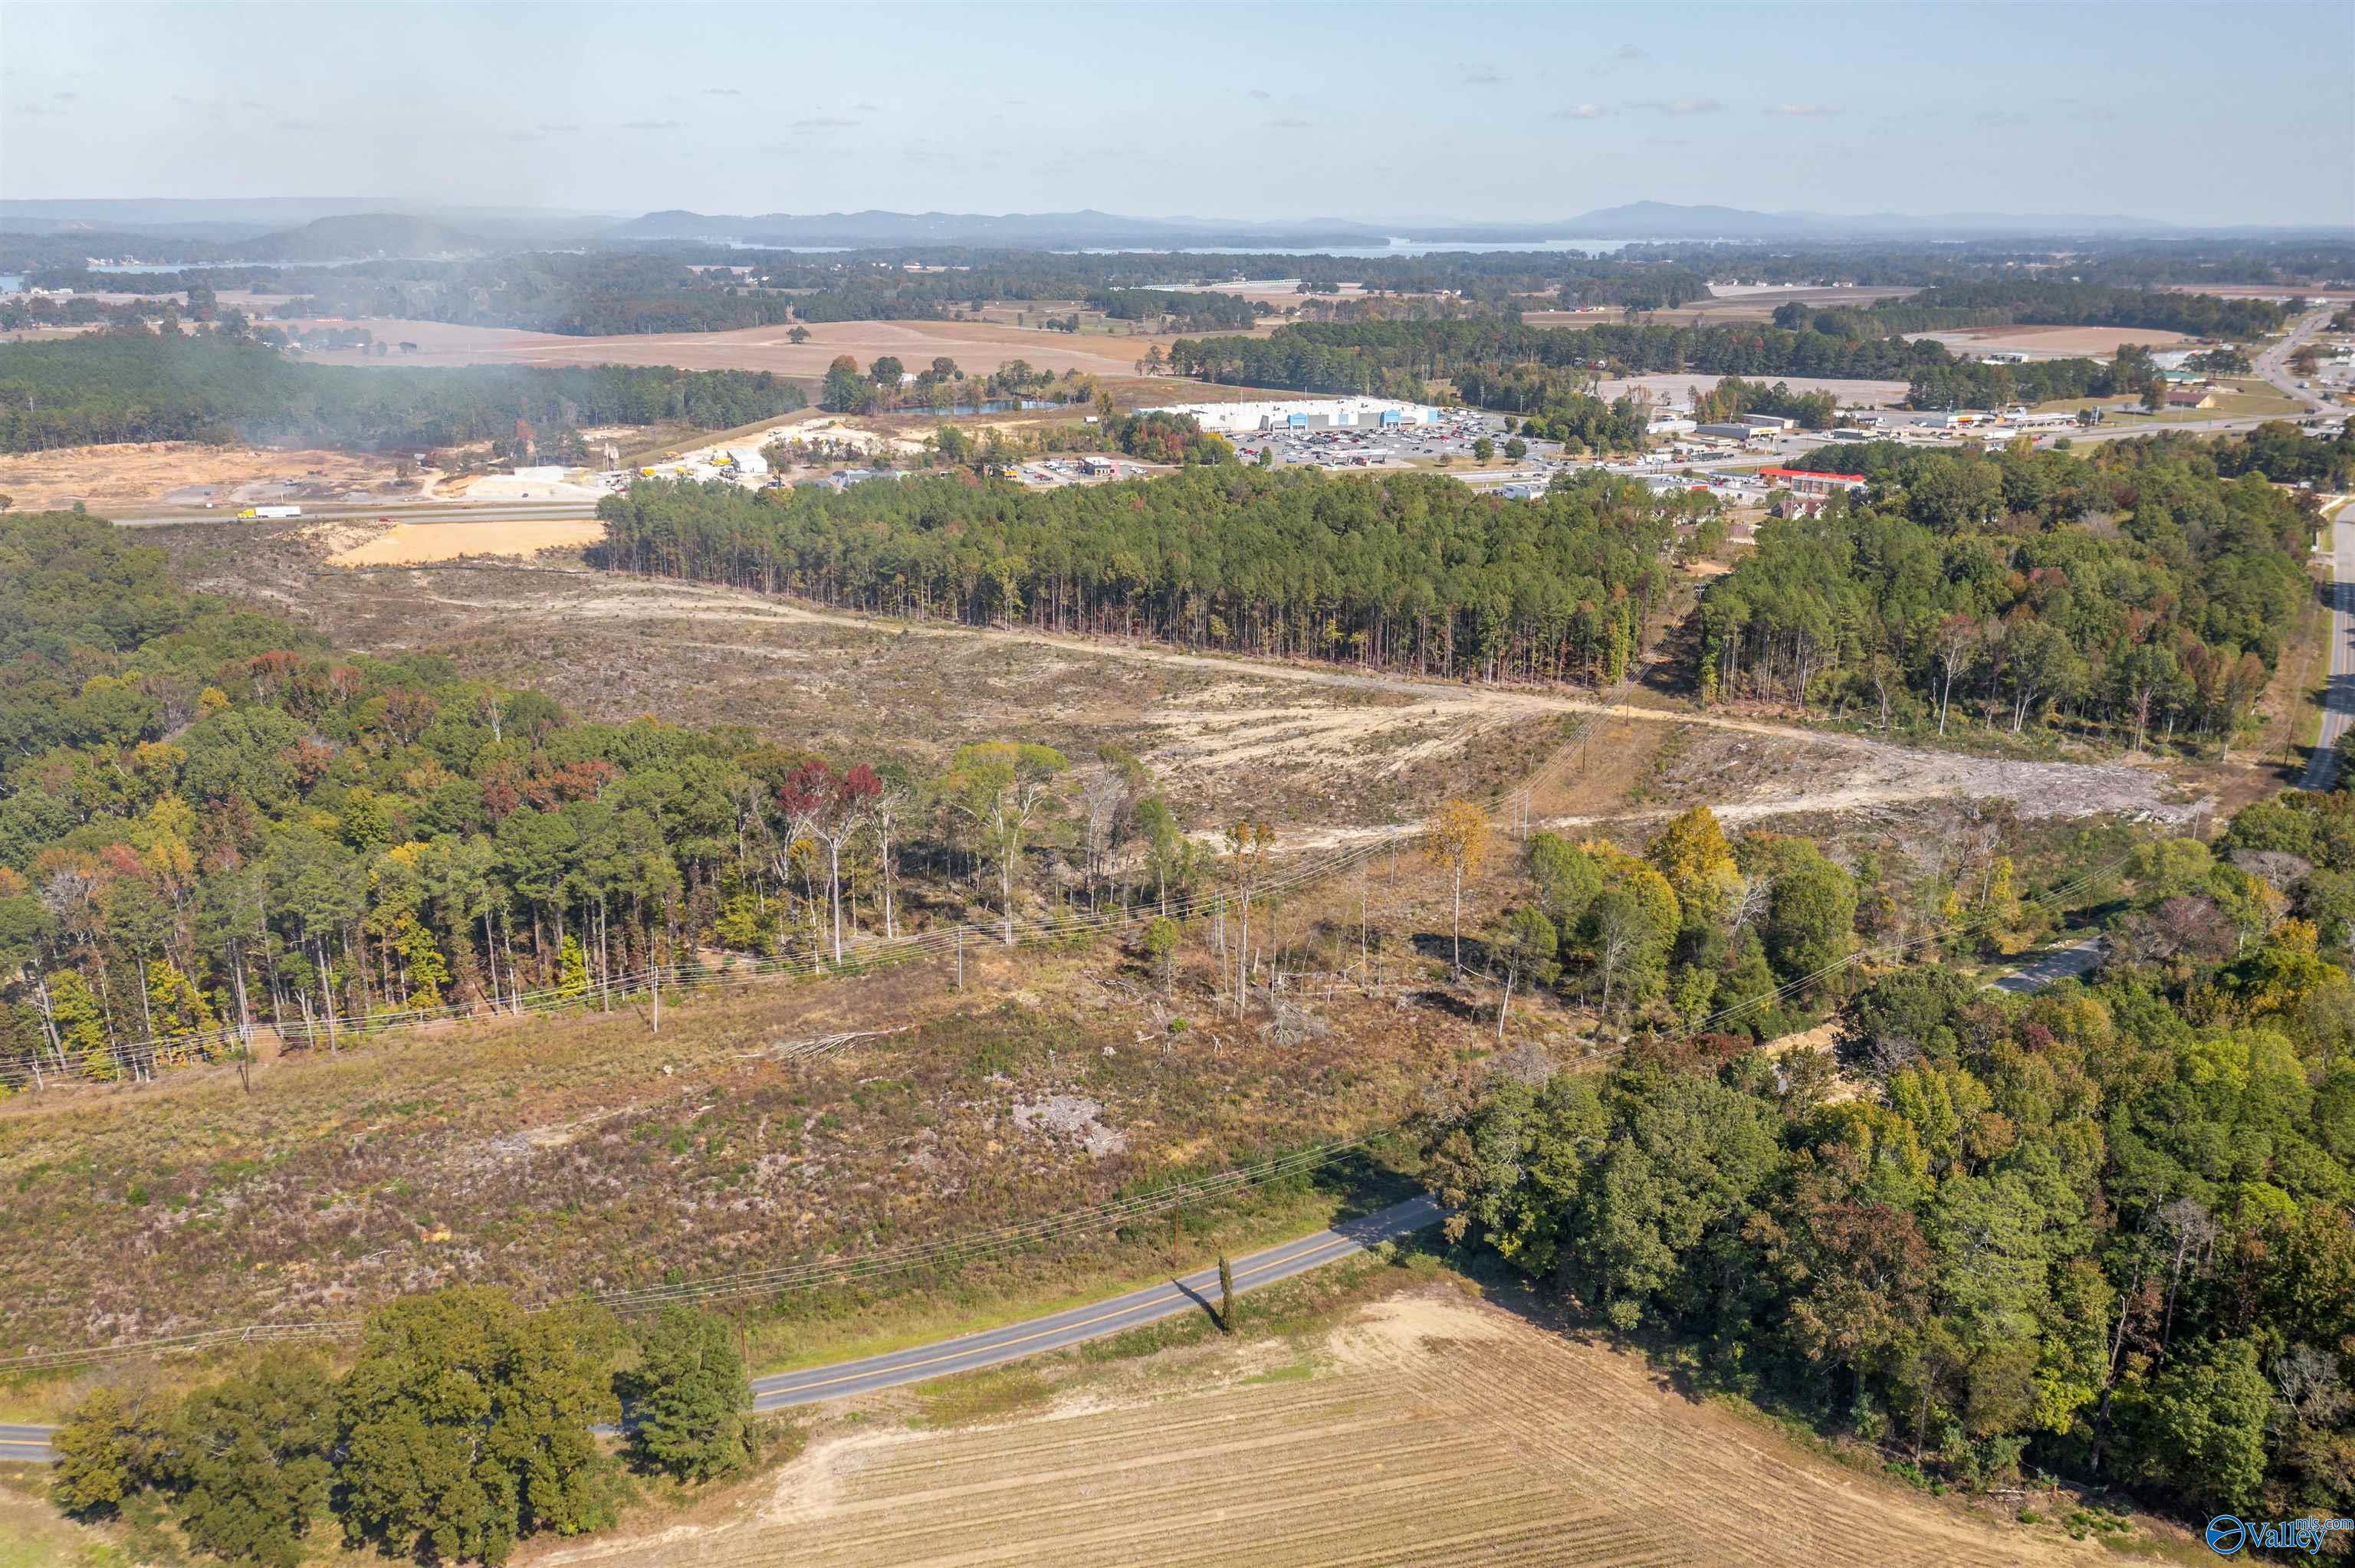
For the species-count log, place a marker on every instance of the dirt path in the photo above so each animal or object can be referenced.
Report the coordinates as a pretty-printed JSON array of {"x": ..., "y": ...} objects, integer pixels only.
[{"x": 1876, "y": 773}]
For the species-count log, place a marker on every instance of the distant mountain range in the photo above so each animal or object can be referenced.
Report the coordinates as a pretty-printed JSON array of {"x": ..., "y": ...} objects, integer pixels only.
[
  {"x": 331, "y": 229},
  {"x": 1638, "y": 220},
  {"x": 1048, "y": 230}
]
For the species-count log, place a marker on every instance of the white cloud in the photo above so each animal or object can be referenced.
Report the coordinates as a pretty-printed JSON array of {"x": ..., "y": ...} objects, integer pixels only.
[
  {"x": 1677, "y": 105},
  {"x": 1579, "y": 112},
  {"x": 1804, "y": 111}
]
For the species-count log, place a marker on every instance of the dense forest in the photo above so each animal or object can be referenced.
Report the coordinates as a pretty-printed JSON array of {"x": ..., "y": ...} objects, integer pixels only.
[
  {"x": 1395, "y": 358},
  {"x": 138, "y": 386},
  {"x": 2100, "y": 1233},
  {"x": 1410, "y": 572},
  {"x": 2045, "y": 303},
  {"x": 2140, "y": 593},
  {"x": 211, "y": 823}
]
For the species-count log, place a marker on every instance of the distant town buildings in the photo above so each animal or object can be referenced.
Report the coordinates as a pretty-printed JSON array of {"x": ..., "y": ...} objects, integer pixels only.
[{"x": 1305, "y": 414}]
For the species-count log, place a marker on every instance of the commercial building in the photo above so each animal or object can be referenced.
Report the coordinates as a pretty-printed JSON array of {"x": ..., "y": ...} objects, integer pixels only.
[
  {"x": 2191, "y": 397},
  {"x": 1729, "y": 432},
  {"x": 1766, "y": 421},
  {"x": 1307, "y": 414},
  {"x": 1096, "y": 467},
  {"x": 1809, "y": 482}
]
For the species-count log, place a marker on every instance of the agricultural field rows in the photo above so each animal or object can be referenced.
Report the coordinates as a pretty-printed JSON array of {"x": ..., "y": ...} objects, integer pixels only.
[{"x": 1427, "y": 1429}]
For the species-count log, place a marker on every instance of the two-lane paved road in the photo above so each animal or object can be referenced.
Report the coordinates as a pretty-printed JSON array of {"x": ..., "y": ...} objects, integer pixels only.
[
  {"x": 1195, "y": 1292},
  {"x": 25, "y": 1445}
]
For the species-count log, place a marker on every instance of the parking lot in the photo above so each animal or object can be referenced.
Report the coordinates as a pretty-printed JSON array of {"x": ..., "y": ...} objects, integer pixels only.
[{"x": 1391, "y": 445}]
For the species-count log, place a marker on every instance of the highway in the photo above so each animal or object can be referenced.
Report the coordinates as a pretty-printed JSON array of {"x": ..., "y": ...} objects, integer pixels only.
[
  {"x": 2273, "y": 364},
  {"x": 1195, "y": 1292}
]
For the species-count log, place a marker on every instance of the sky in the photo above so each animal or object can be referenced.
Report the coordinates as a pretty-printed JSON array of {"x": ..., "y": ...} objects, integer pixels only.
[{"x": 2239, "y": 112}]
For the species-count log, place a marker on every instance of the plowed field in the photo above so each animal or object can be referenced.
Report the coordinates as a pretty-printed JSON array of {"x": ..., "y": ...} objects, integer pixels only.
[{"x": 1432, "y": 1430}]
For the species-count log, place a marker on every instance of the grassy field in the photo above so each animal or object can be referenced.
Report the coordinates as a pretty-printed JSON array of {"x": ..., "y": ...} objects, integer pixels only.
[
  {"x": 583, "y": 1153},
  {"x": 2234, "y": 400}
]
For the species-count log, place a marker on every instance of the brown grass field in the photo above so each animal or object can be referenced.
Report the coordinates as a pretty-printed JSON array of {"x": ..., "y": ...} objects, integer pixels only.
[
  {"x": 978, "y": 347},
  {"x": 1419, "y": 1426}
]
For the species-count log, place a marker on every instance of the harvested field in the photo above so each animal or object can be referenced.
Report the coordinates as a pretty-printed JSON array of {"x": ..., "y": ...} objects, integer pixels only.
[
  {"x": 1428, "y": 1428},
  {"x": 2054, "y": 341},
  {"x": 141, "y": 473},
  {"x": 978, "y": 347},
  {"x": 415, "y": 543}
]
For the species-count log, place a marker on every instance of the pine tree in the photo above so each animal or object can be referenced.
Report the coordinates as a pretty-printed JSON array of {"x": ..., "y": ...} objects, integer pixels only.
[
  {"x": 571, "y": 968},
  {"x": 688, "y": 1398},
  {"x": 1226, "y": 1295}
]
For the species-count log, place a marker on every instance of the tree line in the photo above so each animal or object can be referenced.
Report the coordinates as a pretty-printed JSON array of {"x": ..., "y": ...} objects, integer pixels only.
[
  {"x": 1405, "y": 572},
  {"x": 1395, "y": 358},
  {"x": 2043, "y": 302},
  {"x": 2100, "y": 1233},
  {"x": 215, "y": 386},
  {"x": 464, "y": 1426},
  {"x": 2138, "y": 594}
]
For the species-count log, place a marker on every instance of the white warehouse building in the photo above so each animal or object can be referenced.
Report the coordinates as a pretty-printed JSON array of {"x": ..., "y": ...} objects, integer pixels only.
[{"x": 1307, "y": 414}]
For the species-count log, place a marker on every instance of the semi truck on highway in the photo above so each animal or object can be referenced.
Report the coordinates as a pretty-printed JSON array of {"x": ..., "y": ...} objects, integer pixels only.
[{"x": 271, "y": 512}]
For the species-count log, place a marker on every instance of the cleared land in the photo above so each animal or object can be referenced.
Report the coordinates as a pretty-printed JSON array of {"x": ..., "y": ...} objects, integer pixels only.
[
  {"x": 583, "y": 1152},
  {"x": 414, "y": 544},
  {"x": 1428, "y": 1428},
  {"x": 978, "y": 347},
  {"x": 1357, "y": 751},
  {"x": 133, "y": 474}
]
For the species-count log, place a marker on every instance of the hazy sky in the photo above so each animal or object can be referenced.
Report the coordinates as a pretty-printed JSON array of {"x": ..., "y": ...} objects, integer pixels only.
[{"x": 2239, "y": 112}]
